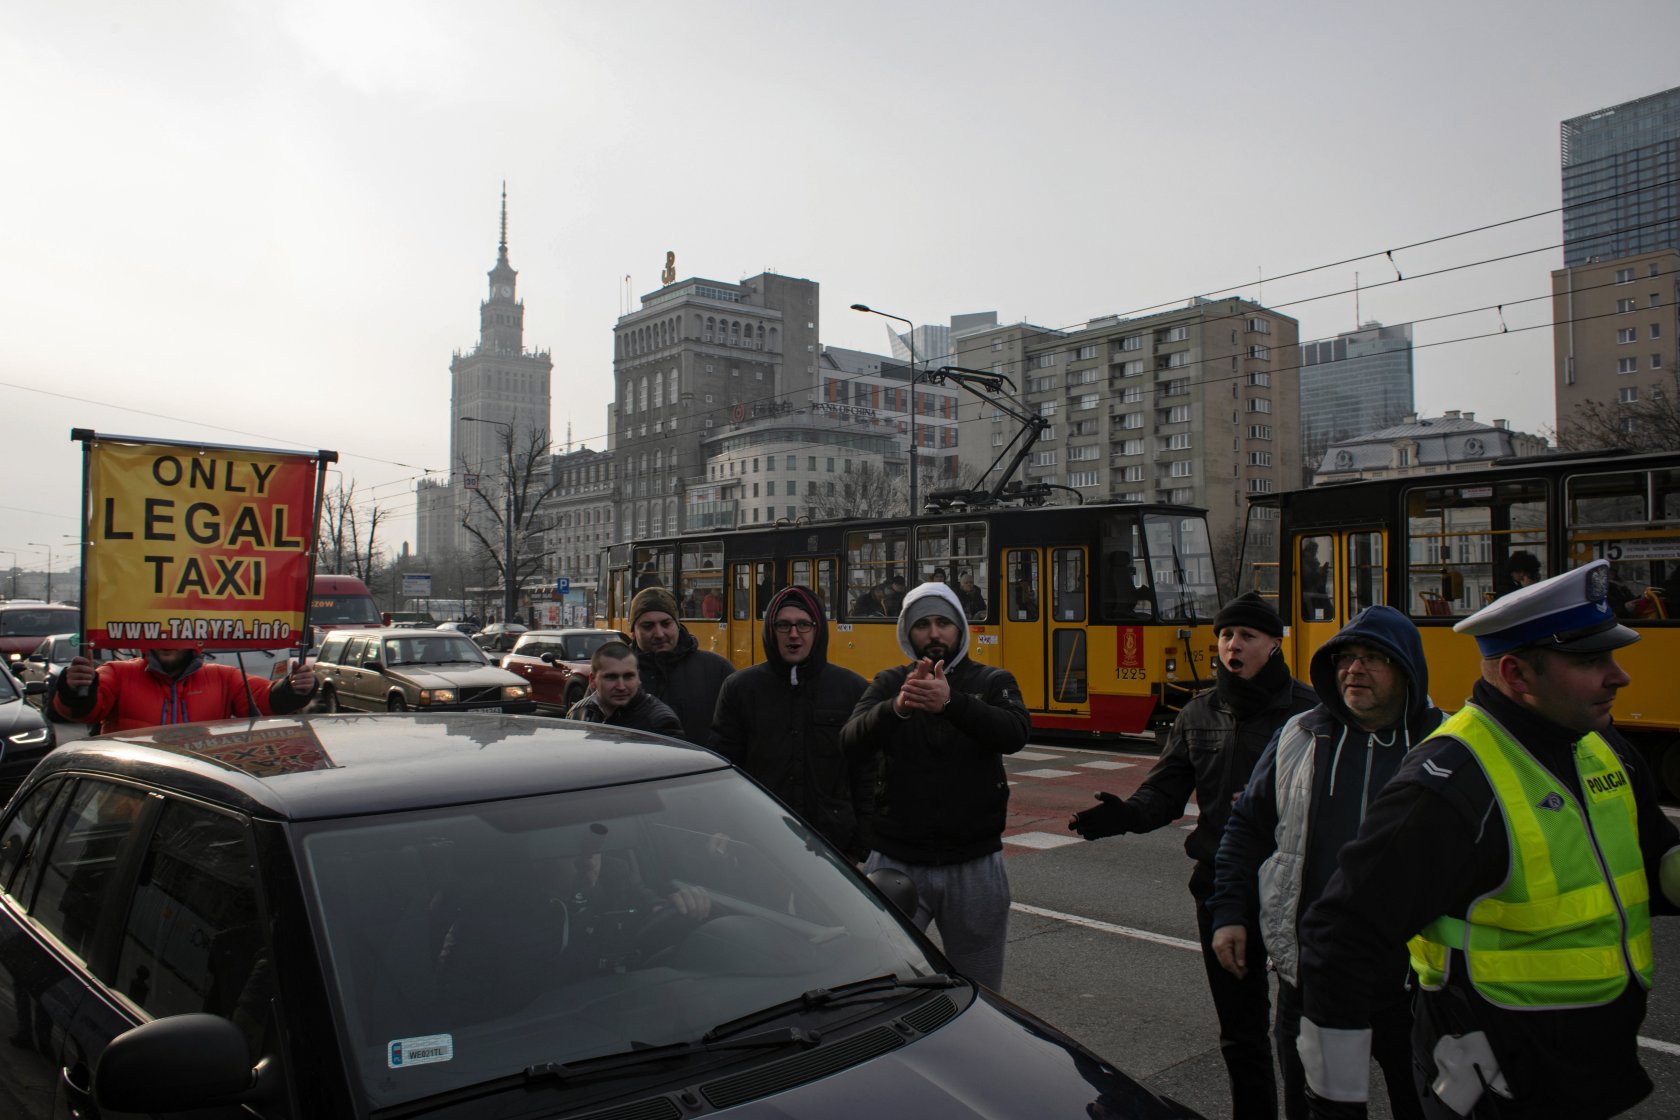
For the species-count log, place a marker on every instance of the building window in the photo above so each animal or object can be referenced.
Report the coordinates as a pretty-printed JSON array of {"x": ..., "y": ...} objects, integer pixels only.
[
  {"x": 1044, "y": 459},
  {"x": 1047, "y": 409},
  {"x": 1259, "y": 404},
  {"x": 1177, "y": 414},
  {"x": 1049, "y": 432},
  {"x": 1177, "y": 387},
  {"x": 1259, "y": 431},
  {"x": 1086, "y": 352},
  {"x": 997, "y": 344},
  {"x": 1178, "y": 360},
  {"x": 1082, "y": 377},
  {"x": 1131, "y": 421},
  {"x": 1629, "y": 395},
  {"x": 1131, "y": 474},
  {"x": 1624, "y": 276},
  {"x": 1086, "y": 402},
  {"x": 1132, "y": 342},
  {"x": 1045, "y": 361},
  {"x": 1176, "y": 334},
  {"x": 1132, "y": 368},
  {"x": 1627, "y": 425},
  {"x": 1627, "y": 365},
  {"x": 1625, "y": 305},
  {"x": 1260, "y": 353},
  {"x": 1082, "y": 453},
  {"x": 1259, "y": 458},
  {"x": 1655, "y": 269},
  {"x": 1260, "y": 326},
  {"x": 1041, "y": 384},
  {"x": 1178, "y": 442},
  {"x": 1656, "y": 330},
  {"x": 997, "y": 439},
  {"x": 1260, "y": 380},
  {"x": 1656, "y": 361},
  {"x": 1404, "y": 456},
  {"x": 1131, "y": 447},
  {"x": 1259, "y": 486},
  {"x": 1181, "y": 468},
  {"x": 1627, "y": 334},
  {"x": 1083, "y": 428},
  {"x": 1082, "y": 478}
]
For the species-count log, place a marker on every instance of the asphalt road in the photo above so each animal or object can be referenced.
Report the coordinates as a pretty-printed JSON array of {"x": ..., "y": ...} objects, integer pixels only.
[{"x": 1102, "y": 941}]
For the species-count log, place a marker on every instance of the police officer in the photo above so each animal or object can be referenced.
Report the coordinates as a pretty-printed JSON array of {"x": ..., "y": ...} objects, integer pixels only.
[{"x": 1520, "y": 851}]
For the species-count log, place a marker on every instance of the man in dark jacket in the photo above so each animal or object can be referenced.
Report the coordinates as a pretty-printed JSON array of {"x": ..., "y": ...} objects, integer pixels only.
[
  {"x": 780, "y": 721},
  {"x": 1212, "y": 749},
  {"x": 1304, "y": 801},
  {"x": 940, "y": 727},
  {"x": 617, "y": 697},
  {"x": 1520, "y": 854},
  {"x": 673, "y": 666}
]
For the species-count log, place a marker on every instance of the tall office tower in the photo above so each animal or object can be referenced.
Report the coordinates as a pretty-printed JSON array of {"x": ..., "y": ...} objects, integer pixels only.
[
  {"x": 1621, "y": 179},
  {"x": 1197, "y": 405},
  {"x": 499, "y": 382},
  {"x": 696, "y": 355},
  {"x": 1355, "y": 383}
]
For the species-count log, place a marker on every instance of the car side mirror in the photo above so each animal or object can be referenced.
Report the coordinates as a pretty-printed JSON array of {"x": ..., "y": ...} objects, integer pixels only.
[
  {"x": 547, "y": 659},
  {"x": 35, "y": 688},
  {"x": 176, "y": 1064},
  {"x": 371, "y": 661},
  {"x": 899, "y": 889},
  {"x": 39, "y": 659}
]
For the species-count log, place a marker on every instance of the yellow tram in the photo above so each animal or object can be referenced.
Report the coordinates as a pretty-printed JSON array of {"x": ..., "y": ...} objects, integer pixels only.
[
  {"x": 1103, "y": 613},
  {"x": 1442, "y": 546}
]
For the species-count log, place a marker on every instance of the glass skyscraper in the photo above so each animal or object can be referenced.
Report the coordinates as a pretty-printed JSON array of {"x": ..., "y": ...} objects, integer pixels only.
[
  {"x": 1621, "y": 179},
  {"x": 1353, "y": 384}
]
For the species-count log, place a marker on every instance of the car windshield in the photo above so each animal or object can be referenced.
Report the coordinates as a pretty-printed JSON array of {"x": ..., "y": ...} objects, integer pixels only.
[
  {"x": 581, "y": 647},
  {"x": 8, "y": 692},
  {"x": 25, "y": 622},
  {"x": 343, "y": 610},
  {"x": 62, "y": 651},
  {"x": 432, "y": 649},
  {"x": 543, "y": 929}
]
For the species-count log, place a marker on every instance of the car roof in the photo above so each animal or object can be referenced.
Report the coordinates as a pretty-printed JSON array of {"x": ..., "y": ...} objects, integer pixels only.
[
  {"x": 395, "y": 631},
  {"x": 321, "y": 767}
]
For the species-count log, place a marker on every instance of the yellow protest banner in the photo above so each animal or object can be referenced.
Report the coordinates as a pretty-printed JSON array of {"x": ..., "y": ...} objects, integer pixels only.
[{"x": 191, "y": 544}]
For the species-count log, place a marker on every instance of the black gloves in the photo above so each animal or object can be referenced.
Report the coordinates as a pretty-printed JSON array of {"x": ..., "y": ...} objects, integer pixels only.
[{"x": 1108, "y": 818}]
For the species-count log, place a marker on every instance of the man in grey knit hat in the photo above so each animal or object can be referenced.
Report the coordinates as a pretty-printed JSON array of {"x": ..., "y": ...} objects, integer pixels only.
[{"x": 940, "y": 727}]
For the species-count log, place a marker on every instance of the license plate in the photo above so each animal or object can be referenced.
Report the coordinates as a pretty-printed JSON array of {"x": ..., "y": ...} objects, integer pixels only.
[{"x": 497, "y": 708}]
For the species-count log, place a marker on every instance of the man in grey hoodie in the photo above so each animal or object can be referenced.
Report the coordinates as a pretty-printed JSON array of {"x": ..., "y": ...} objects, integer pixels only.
[
  {"x": 940, "y": 727},
  {"x": 1304, "y": 801}
]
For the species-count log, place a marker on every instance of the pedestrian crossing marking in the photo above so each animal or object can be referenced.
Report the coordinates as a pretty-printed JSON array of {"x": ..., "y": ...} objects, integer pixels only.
[
  {"x": 1045, "y": 773},
  {"x": 1041, "y": 841},
  {"x": 1104, "y": 764},
  {"x": 1035, "y": 756}
]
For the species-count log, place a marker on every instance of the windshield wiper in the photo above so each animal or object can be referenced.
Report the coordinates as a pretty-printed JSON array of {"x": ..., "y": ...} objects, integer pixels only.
[
  {"x": 650, "y": 1055},
  {"x": 823, "y": 997}
]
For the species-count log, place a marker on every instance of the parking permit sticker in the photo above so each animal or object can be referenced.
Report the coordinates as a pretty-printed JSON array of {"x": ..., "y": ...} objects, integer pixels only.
[{"x": 420, "y": 1050}]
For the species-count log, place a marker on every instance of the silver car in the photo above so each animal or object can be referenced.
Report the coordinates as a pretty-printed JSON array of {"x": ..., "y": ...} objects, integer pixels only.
[{"x": 394, "y": 670}]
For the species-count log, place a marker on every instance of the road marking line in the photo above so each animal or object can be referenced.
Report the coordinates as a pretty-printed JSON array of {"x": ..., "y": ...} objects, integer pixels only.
[
  {"x": 1660, "y": 1047},
  {"x": 1035, "y": 756},
  {"x": 1046, "y": 773},
  {"x": 1102, "y": 764},
  {"x": 1042, "y": 841},
  {"x": 1109, "y": 927}
]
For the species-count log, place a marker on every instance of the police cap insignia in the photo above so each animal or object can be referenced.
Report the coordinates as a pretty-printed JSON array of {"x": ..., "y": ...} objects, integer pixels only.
[{"x": 1598, "y": 585}]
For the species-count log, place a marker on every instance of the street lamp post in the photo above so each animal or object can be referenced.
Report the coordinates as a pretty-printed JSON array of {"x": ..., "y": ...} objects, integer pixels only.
[
  {"x": 49, "y": 548},
  {"x": 12, "y": 594},
  {"x": 912, "y": 339},
  {"x": 510, "y": 598}
]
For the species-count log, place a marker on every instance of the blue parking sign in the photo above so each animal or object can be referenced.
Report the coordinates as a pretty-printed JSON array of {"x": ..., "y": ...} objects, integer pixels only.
[{"x": 562, "y": 585}]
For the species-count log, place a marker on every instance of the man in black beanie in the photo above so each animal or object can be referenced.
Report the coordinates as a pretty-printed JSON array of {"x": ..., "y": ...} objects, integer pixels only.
[{"x": 1212, "y": 749}]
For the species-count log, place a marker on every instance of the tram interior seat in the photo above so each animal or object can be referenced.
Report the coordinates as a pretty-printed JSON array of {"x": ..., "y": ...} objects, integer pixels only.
[
  {"x": 1435, "y": 605},
  {"x": 1651, "y": 604}
]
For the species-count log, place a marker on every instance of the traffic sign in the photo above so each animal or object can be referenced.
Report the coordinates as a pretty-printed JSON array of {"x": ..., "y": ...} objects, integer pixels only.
[{"x": 562, "y": 585}]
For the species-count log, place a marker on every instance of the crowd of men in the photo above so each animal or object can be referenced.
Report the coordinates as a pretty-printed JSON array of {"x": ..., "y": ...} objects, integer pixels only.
[{"x": 1465, "y": 899}]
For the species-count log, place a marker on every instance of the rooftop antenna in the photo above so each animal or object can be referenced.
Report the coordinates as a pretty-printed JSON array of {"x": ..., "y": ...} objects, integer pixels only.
[
  {"x": 503, "y": 244},
  {"x": 1356, "y": 301}
]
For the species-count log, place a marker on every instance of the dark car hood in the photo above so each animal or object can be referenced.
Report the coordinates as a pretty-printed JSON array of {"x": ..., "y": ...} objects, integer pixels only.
[
  {"x": 15, "y": 715},
  {"x": 993, "y": 1061}
]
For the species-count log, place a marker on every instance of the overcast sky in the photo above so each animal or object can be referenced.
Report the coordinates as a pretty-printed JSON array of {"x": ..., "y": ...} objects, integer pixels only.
[{"x": 268, "y": 222}]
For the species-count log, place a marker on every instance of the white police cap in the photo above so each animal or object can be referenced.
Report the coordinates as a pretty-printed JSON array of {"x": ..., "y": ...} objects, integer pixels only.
[{"x": 1569, "y": 612}]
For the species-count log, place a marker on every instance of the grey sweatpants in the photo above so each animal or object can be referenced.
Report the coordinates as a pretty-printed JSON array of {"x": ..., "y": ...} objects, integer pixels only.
[{"x": 969, "y": 902}]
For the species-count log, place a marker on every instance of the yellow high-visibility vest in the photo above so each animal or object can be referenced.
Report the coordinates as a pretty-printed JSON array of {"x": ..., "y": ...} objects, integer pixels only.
[{"x": 1572, "y": 920}]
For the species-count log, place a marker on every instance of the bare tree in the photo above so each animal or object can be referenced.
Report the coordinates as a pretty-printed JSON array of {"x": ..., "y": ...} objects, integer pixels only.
[
  {"x": 1651, "y": 423},
  {"x": 866, "y": 490},
  {"x": 350, "y": 532},
  {"x": 510, "y": 533}
]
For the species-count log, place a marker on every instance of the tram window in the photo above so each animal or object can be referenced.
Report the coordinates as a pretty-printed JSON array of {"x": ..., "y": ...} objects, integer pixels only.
[
  {"x": 1632, "y": 519},
  {"x": 1459, "y": 541},
  {"x": 1316, "y": 574},
  {"x": 1021, "y": 570},
  {"x": 1181, "y": 561},
  {"x": 1365, "y": 586},
  {"x": 1260, "y": 549},
  {"x": 1068, "y": 649},
  {"x": 873, "y": 558},
  {"x": 818, "y": 575},
  {"x": 701, "y": 594},
  {"x": 956, "y": 555},
  {"x": 1067, "y": 584},
  {"x": 740, "y": 608},
  {"x": 1124, "y": 593},
  {"x": 766, "y": 584},
  {"x": 653, "y": 567}
]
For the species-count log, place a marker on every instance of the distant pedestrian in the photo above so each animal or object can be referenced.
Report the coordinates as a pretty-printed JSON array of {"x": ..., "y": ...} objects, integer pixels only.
[
  {"x": 617, "y": 698},
  {"x": 1212, "y": 749},
  {"x": 939, "y": 728},
  {"x": 780, "y": 721},
  {"x": 673, "y": 666}
]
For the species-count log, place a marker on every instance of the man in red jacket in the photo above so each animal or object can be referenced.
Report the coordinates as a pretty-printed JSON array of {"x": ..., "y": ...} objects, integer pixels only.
[{"x": 171, "y": 686}]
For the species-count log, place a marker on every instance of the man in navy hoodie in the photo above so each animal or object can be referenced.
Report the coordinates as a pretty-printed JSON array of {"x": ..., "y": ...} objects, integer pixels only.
[{"x": 1304, "y": 801}]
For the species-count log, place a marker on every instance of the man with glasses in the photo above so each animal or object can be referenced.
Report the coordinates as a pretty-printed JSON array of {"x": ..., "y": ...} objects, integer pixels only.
[
  {"x": 1519, "y": 855},
  {"x": 780, "y": 721},
  {"x": 1304, "y": 801}
]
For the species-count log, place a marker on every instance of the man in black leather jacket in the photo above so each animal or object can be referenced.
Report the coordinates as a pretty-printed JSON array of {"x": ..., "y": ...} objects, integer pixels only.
[
  {"x": 1212, "y": 750},
  {"x": 940, "y": 727},
  {"x": 780, "y": 721}
]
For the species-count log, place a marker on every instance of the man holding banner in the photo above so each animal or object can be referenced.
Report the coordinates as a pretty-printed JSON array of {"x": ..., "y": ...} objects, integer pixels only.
[
  {"x": 187, "y": 547},
  {"x": 172, "y": 686}
]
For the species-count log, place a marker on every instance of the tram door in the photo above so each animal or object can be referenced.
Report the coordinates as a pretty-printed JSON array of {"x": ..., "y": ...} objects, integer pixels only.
[
  {"x": 1044, "y": 632},
  {"x": 750, "y": 589},
  {"x": 1338, "y": 573}
]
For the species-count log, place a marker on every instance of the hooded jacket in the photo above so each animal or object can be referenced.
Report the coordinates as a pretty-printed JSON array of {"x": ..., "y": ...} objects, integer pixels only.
[
  {"x": 781, "y": 723},
  {"x": 1309, "y": 792},
  {"x": 688, "y": 679},
  {"x": 138, "y": 693},
  {"x": 942, "y": 796},
  {"x": 644, "y": 712}
]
